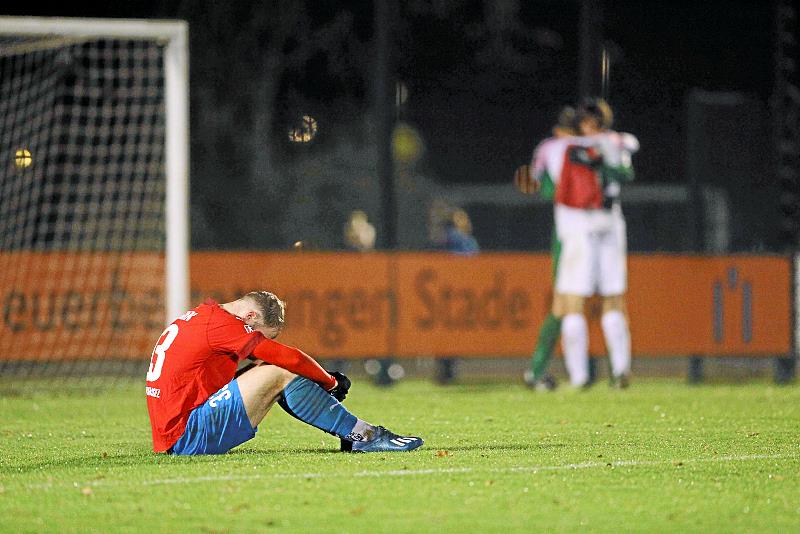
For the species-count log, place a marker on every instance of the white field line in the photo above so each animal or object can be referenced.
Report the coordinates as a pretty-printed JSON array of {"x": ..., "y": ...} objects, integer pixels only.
[{"x": 532, "y": 469}]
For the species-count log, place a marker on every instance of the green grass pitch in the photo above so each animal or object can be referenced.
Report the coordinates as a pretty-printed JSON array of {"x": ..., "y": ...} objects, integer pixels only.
[{"x": 661, "y": 456}]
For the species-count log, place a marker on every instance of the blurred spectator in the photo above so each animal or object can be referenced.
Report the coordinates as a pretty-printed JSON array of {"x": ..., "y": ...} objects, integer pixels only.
[
  {"x": 439, "y": 213},
  {"x": 459, "y": 238},
  {"x": 359, "y": 233},
  {"x": 456, "y": 238}
]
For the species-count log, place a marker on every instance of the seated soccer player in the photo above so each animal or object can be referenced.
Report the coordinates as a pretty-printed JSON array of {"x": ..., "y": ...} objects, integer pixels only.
[{"x": 198, "y": 404}]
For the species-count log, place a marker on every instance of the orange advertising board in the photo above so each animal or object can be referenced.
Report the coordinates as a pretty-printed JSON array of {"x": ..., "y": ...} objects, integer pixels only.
[
  {"x": 96, "y": 305},
  {"x": 724, "y": 305},
  {"x": 487, "y": 305},
  {"x": 87, "y": 305},
  {"x": 337, "y": 304}
]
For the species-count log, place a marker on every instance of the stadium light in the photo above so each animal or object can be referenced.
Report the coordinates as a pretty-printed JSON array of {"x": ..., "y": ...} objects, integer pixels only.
[
  {"x": 23, "y": 158},
  {"x": 305, "y": 132}
]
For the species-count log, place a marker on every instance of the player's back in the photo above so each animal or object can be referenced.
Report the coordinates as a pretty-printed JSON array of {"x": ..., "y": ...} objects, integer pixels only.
[
  {"x": 183, "y": 348},
  {"x": 542, "y": 156},
  {"x": 195, "y": 356},
  {"x": 548, "y": 161}
]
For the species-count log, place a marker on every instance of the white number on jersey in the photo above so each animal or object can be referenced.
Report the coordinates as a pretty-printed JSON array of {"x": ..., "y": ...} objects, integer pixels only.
[
  {"x": 187, "y": 316},
  {"x": 222, "y": 394},
  {"x": 160, "y": 352}
]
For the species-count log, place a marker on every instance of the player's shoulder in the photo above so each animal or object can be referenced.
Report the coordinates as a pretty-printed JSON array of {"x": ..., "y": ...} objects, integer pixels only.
[
  {"x": 545, "y": 142},
  {"x": 222, "y": 320},
  {"x": 553, "y": 144},
  {"x": 220, "y": 315},
  {"x": 209, "y": 313},
  {"x": 622, "y": 140},
  {"x": 206, "y": 309},
  {"x": 578, "y": 140},
  {"x": 195, "y": 315}
]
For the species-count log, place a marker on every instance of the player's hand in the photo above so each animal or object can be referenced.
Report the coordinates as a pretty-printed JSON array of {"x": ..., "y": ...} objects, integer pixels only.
[
  {"x": 339, "y": 391},
  {"x": 524, "y": 182}
]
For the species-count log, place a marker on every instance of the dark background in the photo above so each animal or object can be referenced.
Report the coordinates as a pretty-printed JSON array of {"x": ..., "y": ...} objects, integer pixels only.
[{"x": 485, "y": 80}]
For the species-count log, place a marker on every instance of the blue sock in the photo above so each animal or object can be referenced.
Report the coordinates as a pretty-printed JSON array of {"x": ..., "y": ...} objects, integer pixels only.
[{"x": 305, "y": 400}]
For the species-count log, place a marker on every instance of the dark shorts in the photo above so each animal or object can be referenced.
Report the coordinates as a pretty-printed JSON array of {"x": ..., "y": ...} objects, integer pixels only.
[{"x": 217, "y": 425}]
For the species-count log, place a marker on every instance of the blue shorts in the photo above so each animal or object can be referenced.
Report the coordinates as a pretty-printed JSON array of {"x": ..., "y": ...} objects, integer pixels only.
[{"x": 217, "y": 425}]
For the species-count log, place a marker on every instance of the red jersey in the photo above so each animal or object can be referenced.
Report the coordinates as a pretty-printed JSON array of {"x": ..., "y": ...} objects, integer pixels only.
[
  {"x": 573, "y": 164},
  {"x": 579, "y": 184},
  {"x": 198, "y": 354}
]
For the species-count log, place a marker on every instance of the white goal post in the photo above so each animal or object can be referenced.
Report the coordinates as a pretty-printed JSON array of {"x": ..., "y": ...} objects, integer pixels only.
[
  {"x": 94, "y": 186},
  {"x": 176, "y": 98}
]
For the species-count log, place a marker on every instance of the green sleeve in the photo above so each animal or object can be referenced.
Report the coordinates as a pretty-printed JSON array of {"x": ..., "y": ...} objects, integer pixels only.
[
  {"x": 620, "y": 174},
  {"x": 548, "y": 188}
]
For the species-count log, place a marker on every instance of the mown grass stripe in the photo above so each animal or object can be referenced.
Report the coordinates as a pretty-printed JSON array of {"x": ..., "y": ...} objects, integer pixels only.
[{"x": 532, "y": 469}]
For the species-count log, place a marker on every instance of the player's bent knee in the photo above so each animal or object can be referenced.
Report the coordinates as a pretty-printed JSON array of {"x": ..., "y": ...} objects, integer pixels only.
[
  {"x": 557, "y": 308},
  {"x": 278, "y": 376},
  {"x": 285, "y": 377},
  {"x": 614, "y": 303},
  {"x": 264, "y": 380},
  {"x": 567, "y": 304}
]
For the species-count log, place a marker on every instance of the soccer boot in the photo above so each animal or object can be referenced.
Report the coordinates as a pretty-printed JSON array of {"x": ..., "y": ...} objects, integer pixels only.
[
  {"x": 545, "y": 383},
  {"x": 620, "y": 382},
  {"x": 383, "y": 441}
]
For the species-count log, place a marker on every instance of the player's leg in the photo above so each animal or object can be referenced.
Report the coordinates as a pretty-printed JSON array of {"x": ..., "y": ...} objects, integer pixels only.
[
  {"x": 218, "y": 425},
  {"x": 260, "y": 386},
  {"x": 306, "y": 401},
  {"x": 575, "y": 340},
  {"x": 613, "y": 284},
  {"x": 231, "y": 415},
  {"x": 548, "y": 334},
  {"x": 574, "y": 282},
  {"x": 618, "y": 339},
  {"x": 543, "y": 353}
]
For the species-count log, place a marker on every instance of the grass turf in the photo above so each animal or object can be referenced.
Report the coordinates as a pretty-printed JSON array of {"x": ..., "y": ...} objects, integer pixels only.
[{"x": 660, "y": 456}]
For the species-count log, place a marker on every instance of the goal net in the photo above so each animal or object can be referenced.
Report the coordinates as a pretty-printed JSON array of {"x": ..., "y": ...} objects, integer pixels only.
[{"x": 93, "y": 187}]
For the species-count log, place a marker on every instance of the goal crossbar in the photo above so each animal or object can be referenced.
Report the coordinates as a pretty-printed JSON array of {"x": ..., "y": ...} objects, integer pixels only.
[{"x": 95, "y": 27}]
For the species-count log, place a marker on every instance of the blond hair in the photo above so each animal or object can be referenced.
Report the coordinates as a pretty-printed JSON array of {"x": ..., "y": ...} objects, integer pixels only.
[
  {"x": 599, "y": 110},
  {"x": 272, "y": 309}
]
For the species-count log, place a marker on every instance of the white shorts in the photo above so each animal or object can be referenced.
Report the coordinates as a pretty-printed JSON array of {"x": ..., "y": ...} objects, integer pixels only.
[{"x": 593, "y": 251}]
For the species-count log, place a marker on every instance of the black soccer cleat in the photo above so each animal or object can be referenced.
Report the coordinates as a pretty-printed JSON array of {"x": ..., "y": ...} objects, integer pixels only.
[
  {"x": 620, "y": 382},
  {"x": 545, "y": 383}
]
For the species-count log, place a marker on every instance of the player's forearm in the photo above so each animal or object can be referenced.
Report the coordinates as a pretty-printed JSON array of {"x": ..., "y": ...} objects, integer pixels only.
[
  {"x": 294, "y": 360},
  {"x": 621, "y": 173}
]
